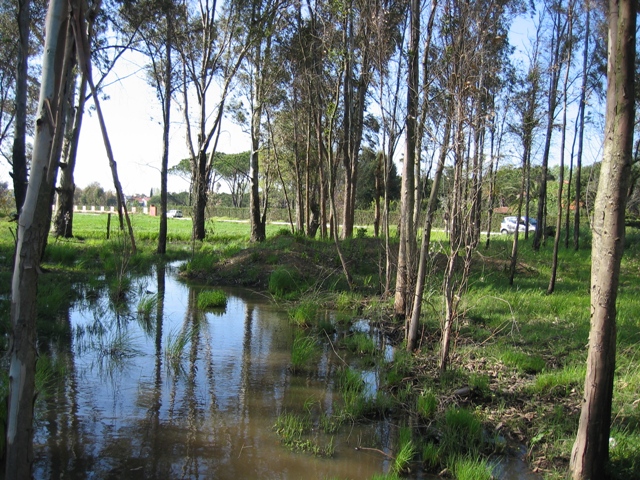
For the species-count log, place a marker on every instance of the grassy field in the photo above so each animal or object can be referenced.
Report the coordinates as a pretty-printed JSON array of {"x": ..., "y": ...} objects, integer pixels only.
[{"x": 520, "y": 352}]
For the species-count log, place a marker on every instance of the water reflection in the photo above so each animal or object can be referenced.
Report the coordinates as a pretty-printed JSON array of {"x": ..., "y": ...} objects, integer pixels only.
[{"x": 174, "y": 392}]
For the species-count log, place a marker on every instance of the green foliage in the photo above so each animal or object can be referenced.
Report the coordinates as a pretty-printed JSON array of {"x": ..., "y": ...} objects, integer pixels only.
[
  {"x": 304, "y": 348},
  {"x": 470, "y": 468},
  {"x": 283, "y": 283},
  {"x": 360, "y": 343},
  {"x": 522, "y": 362},
  {"x": 461, "y": 431},
  {"x": 294, "y": 429},
  {"x": 406, "y": 451},
  {"x": 559, "y": 382},
  {"x": 209, "y": 299},
  {"x": 426, "y": 404},
  {"x": 304, "y": 314}
]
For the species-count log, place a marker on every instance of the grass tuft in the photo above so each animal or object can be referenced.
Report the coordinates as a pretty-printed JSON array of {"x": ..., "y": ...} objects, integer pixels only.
[{"x": 210, "y": 299}]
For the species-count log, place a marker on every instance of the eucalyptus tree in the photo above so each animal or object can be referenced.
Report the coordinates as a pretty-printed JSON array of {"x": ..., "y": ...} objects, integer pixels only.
[
  {"x": 153, "y": 22},
  {"x": 571, "y": 15},
  {"x": 527, "y": 105},
  {"x": 18, "y": 153},
  {"x": 212, "y": 45},
  {"x": 389, "y": 69},
  {"x": 371, "y": 31},
  {"x": 33, "y": 227},
  {"x": 476, "y": 50},
  {"x": 407, "y": 239},
  {"x": 260, "y": 73},
  {"x": 590, "y": 451},
  {"x": 19, "y": 84},
  {"x": 557, "y": 44},
  {"x": 63, "y": 219}
]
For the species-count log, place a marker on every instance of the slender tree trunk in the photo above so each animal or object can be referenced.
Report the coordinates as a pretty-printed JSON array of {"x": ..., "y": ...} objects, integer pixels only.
[
  {"x": 407, "y": 238},
  {"x": 591, "y": 449},
  {"x": 19, "y": 150},
  {"x": 33, "y": 227},
  {"x": 514, "y": 246},
  {"x": 554, "y": 66},
  {"x": 166, "y": 121},
  {"x": 63, "y": 222},
  {"x": 412, "y": 336},
  {"x": 556, "y": 240},
  {"x": 582, "y": 106},
  {"x": 84, "y": 60}
]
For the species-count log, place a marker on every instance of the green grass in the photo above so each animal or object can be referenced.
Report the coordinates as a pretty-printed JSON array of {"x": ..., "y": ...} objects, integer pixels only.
[
  {"x": 304, "y": 314},
  {"x": 303, "y": 350},
  {"x": 522, "y": 362},
  {"x": 209, "y": 299}
]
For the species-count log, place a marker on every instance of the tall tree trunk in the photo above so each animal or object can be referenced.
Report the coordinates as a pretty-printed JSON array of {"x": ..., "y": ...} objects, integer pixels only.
[
  {"x": 258, "y": 230},
  {"x": 554, "y": 66},
  {"x": 63, "y": 222},
  {"x": 565, "y": 88},
  {"x": 591, "y": 449},
  {"x": 33, "y": 227},
  {"x": 407, "y": 238},
  {"x": 84, "y": 61},
  {"x": 412, "y": 335},
  {"x": 166, "y": 125},
  {"x": 19, "y": 150},
  {"x": 514, "y": 246},
  {"x": 582, "y": 106}
]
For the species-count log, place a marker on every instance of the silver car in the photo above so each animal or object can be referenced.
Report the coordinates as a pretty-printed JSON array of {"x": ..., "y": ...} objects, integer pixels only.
[{"x": 508, "y": 225}]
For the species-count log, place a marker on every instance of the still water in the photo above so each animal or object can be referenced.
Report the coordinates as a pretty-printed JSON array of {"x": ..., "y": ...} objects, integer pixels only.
[{"x": 168, "y": 391}]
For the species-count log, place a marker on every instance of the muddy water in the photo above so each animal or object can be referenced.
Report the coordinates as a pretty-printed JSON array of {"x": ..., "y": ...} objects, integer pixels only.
[
  {"x": 136, "y": 402},
  {"x": 133, "y": 404}
]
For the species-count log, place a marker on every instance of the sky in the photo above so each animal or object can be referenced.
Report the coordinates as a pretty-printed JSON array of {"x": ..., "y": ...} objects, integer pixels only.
[
  {"x": 133, "y": 118},
  {"x": 134, "y": 124}
]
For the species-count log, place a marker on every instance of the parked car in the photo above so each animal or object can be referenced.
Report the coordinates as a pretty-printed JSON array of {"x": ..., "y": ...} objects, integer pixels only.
[
  {"x": 174, "y": 214},
  {"x": 508, "y": 225}
]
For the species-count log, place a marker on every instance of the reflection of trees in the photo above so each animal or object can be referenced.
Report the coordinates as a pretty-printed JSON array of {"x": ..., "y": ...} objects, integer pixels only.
[
  {"x": 62, "y": 423},
  {"x": 156, "y": 399}
]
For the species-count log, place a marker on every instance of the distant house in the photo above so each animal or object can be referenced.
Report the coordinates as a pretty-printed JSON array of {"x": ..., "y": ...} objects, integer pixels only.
[
  {"x": 501, "y": 210},
  {"x": 141, "y": 200}
]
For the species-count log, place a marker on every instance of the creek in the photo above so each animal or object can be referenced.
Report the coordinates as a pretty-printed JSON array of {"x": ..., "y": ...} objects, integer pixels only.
[{"x": 155, "y": 388}]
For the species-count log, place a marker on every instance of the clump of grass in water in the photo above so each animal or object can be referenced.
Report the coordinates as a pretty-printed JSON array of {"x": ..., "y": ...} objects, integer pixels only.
[
  {"x": 175, "y": 346},
  {"x": 406, "y": 451},
  {"x": 293, "y": 428},
  {"x": 360, "y": 343},
  {"x": 351, "y": 387},
  {"x": 146, "y": 304},
  {"x": 304, "y": 348},
  {"x": 304, "y": 314},
  {"x": 212, "y": 299}
]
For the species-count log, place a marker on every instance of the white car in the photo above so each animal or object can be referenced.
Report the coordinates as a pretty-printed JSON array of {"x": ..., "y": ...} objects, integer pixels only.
[
  {"x": 508, "y": 225},
  {"x": 174, "y": 214}
]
